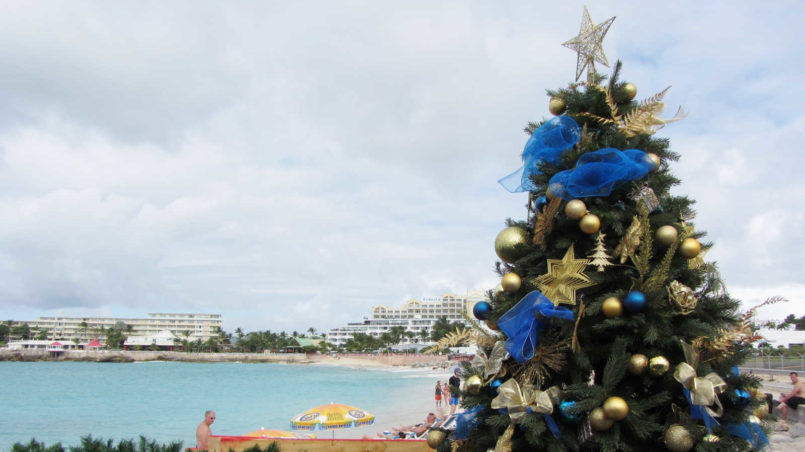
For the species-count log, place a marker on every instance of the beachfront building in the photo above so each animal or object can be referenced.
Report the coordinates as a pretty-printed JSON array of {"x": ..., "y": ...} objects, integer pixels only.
[
  {"x": 414, "y": 315},
  {"x": 186, "y": 326},
  {"x": 163, "y": 340}
]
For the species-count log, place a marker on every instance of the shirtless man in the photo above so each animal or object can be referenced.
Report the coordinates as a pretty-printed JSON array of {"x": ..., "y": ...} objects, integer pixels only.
[
  {"x": 795, "y": 398},
  {"x": 418, "y": 429},
  {"x": 203, "y": 431}
]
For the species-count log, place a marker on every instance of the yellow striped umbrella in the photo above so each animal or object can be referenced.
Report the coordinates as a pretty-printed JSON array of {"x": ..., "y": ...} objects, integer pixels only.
[
  {"x": 269, "y": 433},
  {"x": 332, "y": 416}
]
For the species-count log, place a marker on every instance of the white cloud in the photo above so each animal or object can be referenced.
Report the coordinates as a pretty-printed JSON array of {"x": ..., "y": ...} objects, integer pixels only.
[{"x": 293, "y": 166}]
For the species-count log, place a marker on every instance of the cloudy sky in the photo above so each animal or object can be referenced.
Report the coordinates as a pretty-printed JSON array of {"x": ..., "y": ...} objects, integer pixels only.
[{"x": 291, "y": 164}]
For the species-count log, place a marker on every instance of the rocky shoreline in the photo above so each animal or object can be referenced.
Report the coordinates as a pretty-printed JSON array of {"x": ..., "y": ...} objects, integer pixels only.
[{"x": 121, "y": 356}]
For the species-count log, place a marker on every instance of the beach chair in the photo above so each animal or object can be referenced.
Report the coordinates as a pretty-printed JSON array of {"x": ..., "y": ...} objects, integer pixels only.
[{"x": 444, "y": 423}]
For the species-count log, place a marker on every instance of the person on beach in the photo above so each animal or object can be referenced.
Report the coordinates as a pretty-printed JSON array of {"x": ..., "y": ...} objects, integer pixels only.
[
  {"x": 795, "y": 398},
  {"x": 438, "y": 394},
  {"x": 445, "y": 392},
  {"x": 203, "y": 431},
  {"x": 455, "y": 387},
  {"x": 418, "y": 429}
]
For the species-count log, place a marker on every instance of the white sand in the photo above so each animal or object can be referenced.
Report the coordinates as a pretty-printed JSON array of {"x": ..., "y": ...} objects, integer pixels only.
[{"x": 403, "y": 409}]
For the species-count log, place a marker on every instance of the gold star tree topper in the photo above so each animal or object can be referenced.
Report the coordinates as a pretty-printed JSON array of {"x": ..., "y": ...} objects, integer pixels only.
[
  {"x": 564, "y": 277},
  {"x": 587, "y": 45}
]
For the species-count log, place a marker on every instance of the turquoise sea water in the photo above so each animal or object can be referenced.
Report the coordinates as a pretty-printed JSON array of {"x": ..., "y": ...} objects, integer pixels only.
[{"x": 63, "y": 401}]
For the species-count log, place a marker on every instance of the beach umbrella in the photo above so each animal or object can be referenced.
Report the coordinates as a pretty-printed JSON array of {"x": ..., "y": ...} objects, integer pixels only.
[
  {"x": 332, "y": 416},
  {"x": 269, "y": 433}
]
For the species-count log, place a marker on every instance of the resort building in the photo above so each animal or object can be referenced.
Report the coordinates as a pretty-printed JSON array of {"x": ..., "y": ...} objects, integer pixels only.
[
  {"x": 190, "y": 326},
  {"x": 414, "y": 315}
]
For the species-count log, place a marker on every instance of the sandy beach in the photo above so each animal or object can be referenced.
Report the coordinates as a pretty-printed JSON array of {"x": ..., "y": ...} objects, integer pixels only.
[{"x": 412, "y": 407}]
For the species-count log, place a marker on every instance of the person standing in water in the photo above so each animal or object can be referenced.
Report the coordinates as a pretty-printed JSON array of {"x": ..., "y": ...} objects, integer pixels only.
[
  {"x": 203, "y": 431},
  {"x": 438, "y": 394}
]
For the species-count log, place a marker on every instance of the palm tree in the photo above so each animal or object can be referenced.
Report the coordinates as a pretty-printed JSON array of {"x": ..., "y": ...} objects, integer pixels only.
[
  {"x": 312, "y": 331},
  {"x": 186, "y": 340},
  {"x": 83, "y": 328}
]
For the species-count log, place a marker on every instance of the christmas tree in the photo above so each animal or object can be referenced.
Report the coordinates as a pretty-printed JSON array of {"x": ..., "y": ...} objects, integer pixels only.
[{"x": 634, "y": 349}]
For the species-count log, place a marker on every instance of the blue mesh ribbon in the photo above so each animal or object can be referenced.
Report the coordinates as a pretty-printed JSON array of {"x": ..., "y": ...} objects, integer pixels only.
[
  {"x": 467, "y": 421},
  {"x": 545, "y": 146},
  {"x": 552, "y": 426},
  {"x": 699, "y": 412},
  {"x": 751, "y": 432},
  {"x": 523, "y": 323},
  {"x": 599, "y": 172}
]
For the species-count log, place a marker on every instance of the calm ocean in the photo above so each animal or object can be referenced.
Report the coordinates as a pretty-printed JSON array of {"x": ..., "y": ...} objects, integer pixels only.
[{"x": 63, "y": 401}]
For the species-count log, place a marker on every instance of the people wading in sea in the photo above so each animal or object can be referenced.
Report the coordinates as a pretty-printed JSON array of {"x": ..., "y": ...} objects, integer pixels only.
[
  {"x": 438, "y": 394},
  {"x": 203, "y": 431}
]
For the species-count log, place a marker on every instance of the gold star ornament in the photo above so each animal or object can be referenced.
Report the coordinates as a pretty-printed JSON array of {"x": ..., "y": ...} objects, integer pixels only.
[
  {"x": 564, "y": 277},
  {"x": 588, "y": 45}
]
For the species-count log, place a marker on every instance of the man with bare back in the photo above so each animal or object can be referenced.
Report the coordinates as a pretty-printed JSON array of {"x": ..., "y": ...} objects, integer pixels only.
[
  {"x": 203, "y": 431},
  {"x": 795, "y": 398}
]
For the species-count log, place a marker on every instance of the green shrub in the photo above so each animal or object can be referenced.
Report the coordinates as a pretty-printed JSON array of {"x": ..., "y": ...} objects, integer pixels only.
[{"x": 90, "y": 444}]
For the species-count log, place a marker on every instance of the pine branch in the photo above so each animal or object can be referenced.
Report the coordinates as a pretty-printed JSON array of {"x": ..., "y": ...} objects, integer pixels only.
[{"x": 616, "y": 365}]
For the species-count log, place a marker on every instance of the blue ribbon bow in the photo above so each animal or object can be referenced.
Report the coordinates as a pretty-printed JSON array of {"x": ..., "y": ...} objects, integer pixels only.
[
  {"x": 523, "y": 323},
  {"x": 699, "y": 412},
  {"x": 599, "y": 172},
  {"x": 751, "y": 432},
  {"x": 545, "y": 146}
]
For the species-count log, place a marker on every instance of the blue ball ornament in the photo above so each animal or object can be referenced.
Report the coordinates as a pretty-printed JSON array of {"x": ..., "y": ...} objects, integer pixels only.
[
  {"x": 741, "y": 398},
  {"x": 564, "y": 408},
  {"x": 541, "y": 202},
  {"x": 635, "y": 301},
  {"x": 481, "y": 310}
]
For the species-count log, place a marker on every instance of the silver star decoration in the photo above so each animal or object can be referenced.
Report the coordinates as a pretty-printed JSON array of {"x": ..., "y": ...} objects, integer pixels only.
[{"x": 588, "y": 45}]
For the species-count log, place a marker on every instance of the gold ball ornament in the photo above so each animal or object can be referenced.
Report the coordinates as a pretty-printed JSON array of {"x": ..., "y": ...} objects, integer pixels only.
[
  {"x": 678, "y": 439},
  {"x": 658, "y": 365},
  {"x": 599, "y": 420},
  {"x": 474, "y": 384},
  {"x": 666, "y": 235},
  {"x": 575, "y": 209},
  {"x": 590, "y": 224},
  {"x": 638, "y": 364},
  {"x": 629, "y": 90},
  {"x": 612, "y": 307},
  {"x": 690, "y": 248},
  {"x": 711, "y": 438},
  {"x": 615, "y": 408},
  {"x": 435, "y": 438},
  {"x": 655, "y": 160},
  {"x": 511, "y": 282},
  {"x": 754, "y": 419},
  {"x": 508, "y": 243},
  {"x": 557, "y": 106}
]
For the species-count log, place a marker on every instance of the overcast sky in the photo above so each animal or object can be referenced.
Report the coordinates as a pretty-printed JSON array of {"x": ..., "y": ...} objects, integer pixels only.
[{"x": 292, "y": 164}]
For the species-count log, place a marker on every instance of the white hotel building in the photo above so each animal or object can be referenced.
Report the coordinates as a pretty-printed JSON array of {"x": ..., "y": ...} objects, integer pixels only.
[
  {"x": 200, "y": 326},
  {"x": 414, "y": 315}
]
